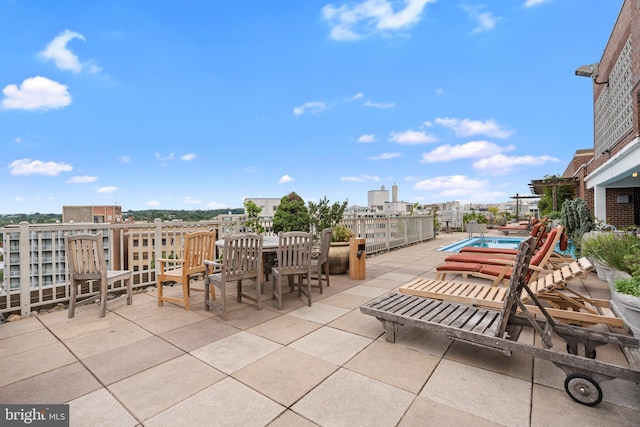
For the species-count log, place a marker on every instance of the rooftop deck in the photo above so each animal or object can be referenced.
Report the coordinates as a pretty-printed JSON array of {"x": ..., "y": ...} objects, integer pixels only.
[{"x": 325, "y": 365}]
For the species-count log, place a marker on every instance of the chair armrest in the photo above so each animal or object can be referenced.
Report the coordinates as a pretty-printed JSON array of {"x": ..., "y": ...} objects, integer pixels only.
[
  {"x": 502, "y": 261},
  {"x": 170, "y": 261},
  {"x": 215, "y": 266}
]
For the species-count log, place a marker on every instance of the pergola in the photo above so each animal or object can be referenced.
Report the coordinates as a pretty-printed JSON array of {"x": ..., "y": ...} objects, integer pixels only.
[
  {"x": 537, "y": 186},
  {"x": 518, "y": 197}
]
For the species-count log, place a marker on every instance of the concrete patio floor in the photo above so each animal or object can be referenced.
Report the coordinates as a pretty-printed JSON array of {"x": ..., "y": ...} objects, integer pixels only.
[{"x": 324, "y": 365}]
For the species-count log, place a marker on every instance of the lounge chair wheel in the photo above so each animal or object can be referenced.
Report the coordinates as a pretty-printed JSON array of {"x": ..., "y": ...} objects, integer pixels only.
[
  {"x": 583, "y": 389},
  {"x": 574, "y": 350}
]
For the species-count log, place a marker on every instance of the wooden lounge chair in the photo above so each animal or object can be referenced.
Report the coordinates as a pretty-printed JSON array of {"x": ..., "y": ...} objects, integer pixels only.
[
  {"x": 500, "y": 330},
  {"x": 499, "y": 270},
  {"x": 565, "y": 304}
]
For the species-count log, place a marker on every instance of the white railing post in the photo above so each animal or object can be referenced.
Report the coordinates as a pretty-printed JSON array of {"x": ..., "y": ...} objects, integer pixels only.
[{"x": 25, "y": 270}]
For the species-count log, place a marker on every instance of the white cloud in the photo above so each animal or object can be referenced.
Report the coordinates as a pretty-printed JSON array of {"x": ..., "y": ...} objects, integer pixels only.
[
  {"x": 250, "y": 169},
  {"x": 367, "y": 138},
  {"x": 531, "y": 3},
  {"x": 454, "y": 186},
  {"x": 18, "y": 199},
  {"x": 152, "y": 203},
  {"x": 188, "y": 157},
  {"x": 165, "y": 158},
  {"x": 64, "y": 58},
  {"x": 371, "y": 16},
  {"x": 313, "y": 107},
  {"x": 385, "y": 156},
  {"x": 485, "y": 21},
  {"x": 82, "y": 179},
  {"x": 473, "y": 149},
  {"x": 412, "y": 137},
  {"x": 285, "y": 179},
  {"x": 356, "y": 97},
  {"x": 439, "y": 91},
  {"x": 191, "y": 201},
  {"x": 108, "y": 189},
  {"x": 38, "y": 167},
  {"x": 36, "y": 93},
  {"x": 499, "y": 164},
  {"x": 361, "y": 178},
  {"x": 465, "y": 127},
  {"x": 379, "y": 104}
]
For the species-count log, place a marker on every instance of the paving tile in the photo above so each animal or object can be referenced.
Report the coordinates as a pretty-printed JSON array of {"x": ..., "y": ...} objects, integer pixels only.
[
  {"x": 171, "y": 317},
  {"x": 331, "y": 344},
  {"x": 55, "y": 386},
  {"x": 319, "y": 313},
  {"x": 144, "y": 305},
  {"x": 380, "y": 282},
  {"x": 421, "y": 340},
  {"x": 550, "y": 407},
  {"x": 284, "y": 329},
  {"x": 398, "y": 276},
  {"x": 25, "y": 342},
  {"x": 150, "y": 392},
  {"x": 475, "y": 390},
  {"x": 198, "y": 334},
  {"x": 82, "y": 324},
  {"x": 227, "y": 403},
  {"x": 345, "y": 300},
  {"x": 519, "y": 365},
  {"x": 395, "y": 365},
  {"x": 103, "y": 340},
  {"x": 12, "y": 329},
  {"x": 291, "y": 419},
  {"x": 99, "y": 408},
  {"x": 236, "y": 351},
  {"x": 285, "y": 375},
  {"x": 349, "y": 399},
  {"x": 122, "y": 362},
  {"x": 425, "y": 412},
  {"x": 34, "y": 362},
  {"x": 248, "y": 316},
  {"x": 358, "y": 323},
  {"x": 366, "y": 291}
]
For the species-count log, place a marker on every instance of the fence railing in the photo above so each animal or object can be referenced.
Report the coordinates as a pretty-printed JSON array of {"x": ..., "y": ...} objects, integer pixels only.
[{"x": 36, "y": 276}]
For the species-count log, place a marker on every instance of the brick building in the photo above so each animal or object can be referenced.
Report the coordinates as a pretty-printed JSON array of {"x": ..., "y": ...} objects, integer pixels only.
[
  {"x": 608, "y": 176},
  {"x": 95, "y": 214}
]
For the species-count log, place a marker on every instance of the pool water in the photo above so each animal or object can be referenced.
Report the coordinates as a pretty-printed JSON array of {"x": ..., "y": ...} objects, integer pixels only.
[
  {"x": 487, "y": 242},
  {"x": 498, "y": 242}
]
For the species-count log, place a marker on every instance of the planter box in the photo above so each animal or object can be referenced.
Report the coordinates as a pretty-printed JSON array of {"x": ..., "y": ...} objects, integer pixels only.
[
  {"x": 627, "y": 307},
  {"x": 475, "y": 227}
]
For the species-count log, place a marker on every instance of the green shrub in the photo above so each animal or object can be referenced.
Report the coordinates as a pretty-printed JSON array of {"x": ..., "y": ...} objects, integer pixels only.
[
  {"x": 628, "y": 286},
  {"x": 292, "y": 214},
  {"x": 340, "y": 233},
  {"x": 323, "y": 215},
  {"x": 482, "y": 219},
  {"x": 620, "y": 251}
]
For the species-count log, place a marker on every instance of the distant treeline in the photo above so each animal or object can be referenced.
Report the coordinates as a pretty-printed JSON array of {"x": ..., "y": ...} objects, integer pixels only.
[{"x": 148, "y": 215}]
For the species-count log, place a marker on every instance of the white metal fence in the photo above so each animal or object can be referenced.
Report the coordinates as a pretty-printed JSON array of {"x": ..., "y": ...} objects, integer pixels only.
[{"x": 36, "y": 276}]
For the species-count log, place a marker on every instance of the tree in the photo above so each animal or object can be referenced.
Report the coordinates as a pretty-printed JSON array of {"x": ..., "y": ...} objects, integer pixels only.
[
  {"x": 253, "y": 217},
  {"x": 292, "y": 214},
  {"x": 563, "y": 193},
  {"x": 577, "y": 219},
  {"x": 322, "y": 215}
]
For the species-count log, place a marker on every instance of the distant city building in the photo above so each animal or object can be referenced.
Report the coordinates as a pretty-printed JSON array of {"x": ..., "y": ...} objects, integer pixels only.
[
  {"x": 95, "y": 214},
  {"x": 269, "y": 205},
  {"x": 377, "y": 198}
]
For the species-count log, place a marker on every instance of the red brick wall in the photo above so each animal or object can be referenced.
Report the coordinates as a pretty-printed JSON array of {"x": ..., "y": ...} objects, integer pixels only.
[{"x": 619, "y": 214}]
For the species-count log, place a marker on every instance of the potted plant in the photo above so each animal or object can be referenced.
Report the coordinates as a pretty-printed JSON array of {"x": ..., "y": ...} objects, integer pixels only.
[
  {"x": 577, "y": 219},
  {"x": 626, "y": 301},
  {"x": 292, "y": 214},
  {"x": 481, "y": 220},
  {"x": 325, "y": 215},
  {"x": 339, "y": 250}
]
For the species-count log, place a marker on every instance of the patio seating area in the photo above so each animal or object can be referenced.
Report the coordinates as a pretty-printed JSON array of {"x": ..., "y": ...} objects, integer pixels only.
[{"x": 326, "y": 364}]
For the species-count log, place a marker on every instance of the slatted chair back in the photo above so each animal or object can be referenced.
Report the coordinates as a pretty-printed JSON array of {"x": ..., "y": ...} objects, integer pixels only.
[
  {"x": 516, "y": 283},
  {"x": 294, "y": 252},
  {"x": 85, "y": 257},
  {"x": 241, "y": 257},
  {"x": 325, "y": 244},
  {"x": 198, "y": 246}
]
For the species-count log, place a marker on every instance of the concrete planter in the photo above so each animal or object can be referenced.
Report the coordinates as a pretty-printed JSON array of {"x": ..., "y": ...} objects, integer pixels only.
[{"x": 627, "y": 307}]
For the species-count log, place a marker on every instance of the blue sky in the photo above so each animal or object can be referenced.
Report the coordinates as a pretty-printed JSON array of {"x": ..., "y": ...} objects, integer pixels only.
[{"x": 198, "y": 104}]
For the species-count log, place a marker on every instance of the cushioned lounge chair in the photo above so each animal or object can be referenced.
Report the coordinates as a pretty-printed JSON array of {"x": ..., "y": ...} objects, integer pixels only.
[
  {"x": 499, "y": 270},
  {"x": 538, "y": 232}
]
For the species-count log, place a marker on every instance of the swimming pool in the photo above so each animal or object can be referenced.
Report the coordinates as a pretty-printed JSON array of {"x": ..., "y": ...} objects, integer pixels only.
[
  {"x": 499, "y": 242},
  {"x": 487, "y": 242}
]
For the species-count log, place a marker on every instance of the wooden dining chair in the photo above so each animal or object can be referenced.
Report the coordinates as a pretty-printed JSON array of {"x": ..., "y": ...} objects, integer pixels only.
[
  {"x": 198, "y": 246},
  {"x": 320, "y": 264},
  {"x": 294, "y": 261},
  {"x": 241, "y": 259},
  {"x": 86, "y": 263}
]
